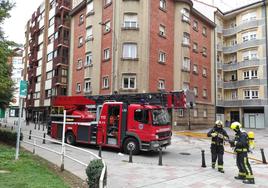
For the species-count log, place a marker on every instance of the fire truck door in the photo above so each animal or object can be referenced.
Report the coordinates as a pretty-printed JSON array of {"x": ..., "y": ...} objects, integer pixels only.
[{"x": 113, "y": 125}]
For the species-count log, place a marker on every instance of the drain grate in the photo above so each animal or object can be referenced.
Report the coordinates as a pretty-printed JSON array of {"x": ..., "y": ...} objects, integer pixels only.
[{"x": 184, "y": 153}]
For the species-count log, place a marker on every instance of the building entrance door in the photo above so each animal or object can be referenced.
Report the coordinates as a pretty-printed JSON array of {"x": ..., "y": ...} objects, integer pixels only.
[{"x": 234, "y": 116}]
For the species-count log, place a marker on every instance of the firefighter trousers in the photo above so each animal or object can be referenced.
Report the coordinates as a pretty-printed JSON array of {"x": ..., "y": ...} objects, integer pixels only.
[
  {"x": 243, "y": 165},
  {"x": 217, "y": 152}
]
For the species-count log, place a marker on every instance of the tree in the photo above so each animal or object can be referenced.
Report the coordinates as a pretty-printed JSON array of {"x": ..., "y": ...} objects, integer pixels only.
[{"x": 6, "y": 84}]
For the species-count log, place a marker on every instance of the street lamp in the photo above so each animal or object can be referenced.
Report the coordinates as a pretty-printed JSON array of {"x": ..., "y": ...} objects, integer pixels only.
[{"x": 114, "y": 48}]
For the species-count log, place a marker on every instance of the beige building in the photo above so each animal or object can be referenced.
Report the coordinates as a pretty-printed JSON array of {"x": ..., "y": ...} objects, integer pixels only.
[{"x": 241, "y": 43}]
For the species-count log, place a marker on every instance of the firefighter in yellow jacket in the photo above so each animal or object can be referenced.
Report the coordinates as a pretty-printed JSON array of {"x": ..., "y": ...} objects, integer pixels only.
[
  {"x": 218, "y": 135},
  {"x": 241, "y": 145}
]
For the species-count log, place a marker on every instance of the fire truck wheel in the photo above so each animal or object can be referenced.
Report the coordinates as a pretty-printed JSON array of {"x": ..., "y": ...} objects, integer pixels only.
[
  {"x": 70, "y": 138},
  {"x": 131, "y": 143}
]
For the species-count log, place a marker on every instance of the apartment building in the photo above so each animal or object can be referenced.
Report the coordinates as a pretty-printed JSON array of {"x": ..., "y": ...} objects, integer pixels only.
[
  {"x": 241, "y": 43},
  {"x": 134, "y": 46},
  {"x": 46, "y": 56}
]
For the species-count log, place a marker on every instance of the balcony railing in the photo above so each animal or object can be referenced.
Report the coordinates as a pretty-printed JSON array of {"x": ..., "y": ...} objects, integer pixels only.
[
  {"x": 242, "y": 83},
  {"x": 243, "y": 26},
  {"x": 248, "y": 44},
  {"x": 246, "y": 63},
  {"x": 242, "y": 103}
]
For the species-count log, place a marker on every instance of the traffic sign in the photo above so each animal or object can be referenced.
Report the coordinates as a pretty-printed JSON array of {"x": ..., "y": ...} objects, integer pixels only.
[{"x": 23, "y": 88}]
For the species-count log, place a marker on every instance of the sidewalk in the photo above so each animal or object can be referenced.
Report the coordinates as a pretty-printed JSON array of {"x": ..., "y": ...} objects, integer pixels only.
[{"x": 181, "y": 165}]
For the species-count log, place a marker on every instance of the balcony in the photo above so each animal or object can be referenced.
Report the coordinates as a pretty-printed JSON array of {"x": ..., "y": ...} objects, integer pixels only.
[
  {"x": 34, "y": 28},
  {"x": 242, "y": 103},
  {"x": 219, "y": 65},
  {"x": 219, "y": 29},
  {"x": 243, "y": 83},
  {"x": 62, "y": 23},
  {"x": 219, "y": 47},
  {"x": 59, "y": 80},
  {"x": 60, "y": 61},
  {"x": 243, "y": 64},
  {"x": 219, "y": 84},
  {"x": 62, "y": 5},
  {"x": 243, "y": 26},
  {"x": 248, "y": 44}
]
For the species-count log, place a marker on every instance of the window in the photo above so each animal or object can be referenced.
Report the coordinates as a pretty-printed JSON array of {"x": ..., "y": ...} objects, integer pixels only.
[
  {"x": 49, "y": 75},
  {"x": 78, "y": 87},
  {"x": 162, "y": 57},
  {"x": 180, "y": 112},
  {"x": 90, "y": 8},
  {"x": 162, "y": 30},
  {"x": 186, "y": 39},
  {"x": 251, "y": 94},
  {"x": 129, "y": 82},
  {"x": 185, "y": 86},
  {"x": 141, "y": 115},
  {"x": 64, "y": 72},
  {"x": 89, "y": 33},
  {"x": 107, "y": 26},
  {"x": 38, "y": 79},
  {"x": 249, "y": 16},
  {"x": 105, "y": 82},
  {"x": 51, "y": 21},
  {"x": 195, "y": 113},
  {"x": 205, "y": 113},
  {"x": 79, "y": 64},
  {"x": 234, "y": 94},
  {"x": 48, "y": 93},
  {"x": 250, "y": 74},
  {"x": 88, "y": 59},
  {"x": 195, "y": 25},
  {"x": 204, "y": 51},
  {"x": 204, "y": 73},
  {"x": 106, "y": 54},
  {"x": 195, "y": 47},
  {"x": 36, "y": 95},
  {"x": 249, "y": 36},
  {"x": 249, "y": 55},
  {"x": 195, "y": 69},
  {"x": 196, "y": 91},
  {"x": 106, "y": 2},
  {"x": 81, "y": 19},
  {"x": 80, "y": 41},
  {"x": 129, "y": 51},
  {"x": 185, "y": 15},
  {"x": 204, "y": 31},
  {"x": 186, "y": 65},
  {"x": 204, "y": 93},
  {"x": 163, "y": 4},
  {"x": 49, "y": 56},
  {"x": 130, "y": 20},
  {"x": 87, "y": 86},
  {"x": 161, "y": 84}
]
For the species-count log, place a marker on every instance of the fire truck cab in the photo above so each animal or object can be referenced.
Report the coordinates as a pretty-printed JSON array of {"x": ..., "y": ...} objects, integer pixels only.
[{"x": 117, "y": 123}]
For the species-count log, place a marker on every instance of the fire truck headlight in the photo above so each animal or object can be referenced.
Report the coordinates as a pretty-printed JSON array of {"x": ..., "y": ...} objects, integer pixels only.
[
  {"x": 156, "y": 137},
  {"x": 155, "y": 144}
]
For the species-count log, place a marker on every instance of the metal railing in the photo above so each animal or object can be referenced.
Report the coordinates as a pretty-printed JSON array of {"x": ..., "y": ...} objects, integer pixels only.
[{"x": 63, "y": 154}]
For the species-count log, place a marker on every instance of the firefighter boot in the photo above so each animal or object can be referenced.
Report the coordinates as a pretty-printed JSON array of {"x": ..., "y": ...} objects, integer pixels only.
[
  {"x": 249, "y": 181},
  {"x": 221, "y": 170},
  {"x": 213, "y": 166},
  {"x": 239, "y": 177}
]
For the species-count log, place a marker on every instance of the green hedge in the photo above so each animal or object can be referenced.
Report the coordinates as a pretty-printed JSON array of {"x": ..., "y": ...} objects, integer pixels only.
[
  {"x": 93, "y": 171},
  {"x": 9, "y": 137}
]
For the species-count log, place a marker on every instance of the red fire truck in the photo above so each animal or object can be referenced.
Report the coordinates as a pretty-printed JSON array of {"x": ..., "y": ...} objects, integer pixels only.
[{"x": 137, "y": 122}]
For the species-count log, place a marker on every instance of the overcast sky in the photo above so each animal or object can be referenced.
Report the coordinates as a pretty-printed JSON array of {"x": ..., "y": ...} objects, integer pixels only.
[{"x": 14, "y": 27}]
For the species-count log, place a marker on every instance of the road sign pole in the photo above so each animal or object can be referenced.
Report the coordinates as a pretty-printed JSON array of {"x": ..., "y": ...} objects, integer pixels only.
[
  {"x": 23, "y": 94},
  {"x": 18, "y": 130}
]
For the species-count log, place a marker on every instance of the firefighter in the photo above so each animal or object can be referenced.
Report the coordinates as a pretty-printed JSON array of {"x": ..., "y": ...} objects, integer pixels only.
[
  {"x": 241, "y": 147},
  {"x": 218, "y": 135}
]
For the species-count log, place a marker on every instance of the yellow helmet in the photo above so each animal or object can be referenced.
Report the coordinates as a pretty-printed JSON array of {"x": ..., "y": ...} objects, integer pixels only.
[
  {"x": 219, "y": 122},
  {"x": 251, "y": 135},
  {"x": 236, "y": 125}
]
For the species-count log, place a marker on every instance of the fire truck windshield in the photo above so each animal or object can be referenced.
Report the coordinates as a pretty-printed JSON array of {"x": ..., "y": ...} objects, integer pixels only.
[{"x": 160, "y": 117}]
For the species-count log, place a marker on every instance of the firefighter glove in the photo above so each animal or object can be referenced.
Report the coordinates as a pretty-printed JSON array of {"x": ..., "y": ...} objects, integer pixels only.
[
  {"x": 232, "y": 143},
  {"x": 214, "y": 134}
]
